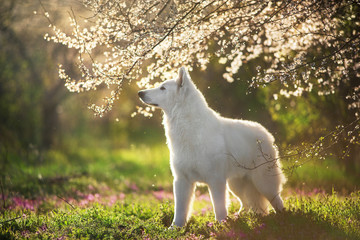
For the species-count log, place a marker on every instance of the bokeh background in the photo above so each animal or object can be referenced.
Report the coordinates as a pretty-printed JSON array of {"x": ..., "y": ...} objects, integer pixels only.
[{"x": 51, "y": 143}]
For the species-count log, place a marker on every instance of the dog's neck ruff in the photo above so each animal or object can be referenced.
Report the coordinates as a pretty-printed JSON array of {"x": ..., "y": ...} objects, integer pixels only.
[
  {"x": 189, "y": 106},
  {"x": 187, "y": 115}
]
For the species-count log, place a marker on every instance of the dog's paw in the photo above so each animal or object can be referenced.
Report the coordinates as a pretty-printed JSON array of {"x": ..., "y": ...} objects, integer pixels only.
[{"x": 173, "y": 228}]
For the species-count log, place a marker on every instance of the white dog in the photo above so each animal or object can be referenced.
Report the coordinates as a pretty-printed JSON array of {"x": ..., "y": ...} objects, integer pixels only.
[{"x": 220, "y": 152}]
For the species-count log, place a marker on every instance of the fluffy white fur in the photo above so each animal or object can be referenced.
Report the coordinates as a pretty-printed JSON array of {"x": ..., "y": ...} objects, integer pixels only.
[{"x": 223, "y": 153}]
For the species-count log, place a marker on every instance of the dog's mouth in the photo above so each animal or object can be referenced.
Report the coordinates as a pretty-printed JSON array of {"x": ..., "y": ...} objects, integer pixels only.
[{"x": 153, "y": 104}]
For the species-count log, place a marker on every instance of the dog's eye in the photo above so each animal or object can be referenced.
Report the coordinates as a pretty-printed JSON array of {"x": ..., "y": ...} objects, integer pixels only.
[{"x": 162, "y": 88}]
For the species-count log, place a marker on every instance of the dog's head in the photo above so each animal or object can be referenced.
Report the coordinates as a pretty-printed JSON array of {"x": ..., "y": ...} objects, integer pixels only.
[{"x": 168, "y": 93}]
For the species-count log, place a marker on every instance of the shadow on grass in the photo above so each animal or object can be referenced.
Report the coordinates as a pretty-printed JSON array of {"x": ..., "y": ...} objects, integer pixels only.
[{"x": 286, "y": 225}]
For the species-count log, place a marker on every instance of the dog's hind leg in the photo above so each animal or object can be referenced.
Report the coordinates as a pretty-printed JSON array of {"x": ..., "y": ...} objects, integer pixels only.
[
  {"x": 268, "y": 183},
  {"x": 237, "y": 187},
  {"x": 249, "y": 195}
]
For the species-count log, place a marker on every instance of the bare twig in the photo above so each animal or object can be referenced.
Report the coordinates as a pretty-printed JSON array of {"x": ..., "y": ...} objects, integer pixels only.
[
  {"x": 163, "y": 8},
  {"x": 314, "y": 150},
  {"x": 66, "y": 201},
  {"x": 9, "y": 220}
]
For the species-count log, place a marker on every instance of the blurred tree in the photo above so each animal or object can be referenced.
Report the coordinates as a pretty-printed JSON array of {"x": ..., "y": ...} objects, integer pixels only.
[
  {"x": 30, "y": 91},
  {"x": 304, "y": 48},
  {"x": 15, "y": 96}
]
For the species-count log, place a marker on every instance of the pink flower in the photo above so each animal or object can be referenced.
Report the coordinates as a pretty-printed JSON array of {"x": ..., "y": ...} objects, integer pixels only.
[
  {"x": 204, "y": 197},
  {"x": 90, "y": 197},
  {"x": 25, "y": 233},
  {"x": 122, "y": 196},
  {"x": 134, "y": 187},
  {"x": 24, "y": 203},
  {"x": 80, "y": 194},
  {"x": 83, "y": 202},
  {"x": 160, "y": 195},
  {"x": 43, "y": 228},
  {"x": 242, "y": 235},
  {"x": 231, "y": 233},
  {"x": 112, "y": 200},
  {"x": 203, "y": 211}
]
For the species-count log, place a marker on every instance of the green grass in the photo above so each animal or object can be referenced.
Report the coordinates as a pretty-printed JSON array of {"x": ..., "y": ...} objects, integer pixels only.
[
  {"x": 328, "y": 217},
  {"x": 321, "y": 175},
  {"x": 59, "y": 173},
  {"x": 96, "y": 193}
]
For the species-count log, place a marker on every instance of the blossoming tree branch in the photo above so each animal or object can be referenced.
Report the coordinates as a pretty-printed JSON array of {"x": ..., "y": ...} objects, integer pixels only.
[{"x": 307, "y": 45}]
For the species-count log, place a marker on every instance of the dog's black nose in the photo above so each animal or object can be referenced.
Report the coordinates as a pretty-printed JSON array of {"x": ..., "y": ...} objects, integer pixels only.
[{"x": 141, "y": 94}]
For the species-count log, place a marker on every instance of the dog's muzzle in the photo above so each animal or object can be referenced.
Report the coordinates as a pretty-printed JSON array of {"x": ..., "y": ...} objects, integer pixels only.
[{"x": 142, "y": 97}]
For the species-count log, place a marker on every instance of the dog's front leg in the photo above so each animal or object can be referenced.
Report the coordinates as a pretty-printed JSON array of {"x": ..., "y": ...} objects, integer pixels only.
[
  {"x": 218, "y": 197},
  {"x": 183, "y": 190}
]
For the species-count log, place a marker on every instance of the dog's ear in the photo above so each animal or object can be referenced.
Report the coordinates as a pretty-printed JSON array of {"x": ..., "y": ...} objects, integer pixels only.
[{"x": 182, "y": 78}]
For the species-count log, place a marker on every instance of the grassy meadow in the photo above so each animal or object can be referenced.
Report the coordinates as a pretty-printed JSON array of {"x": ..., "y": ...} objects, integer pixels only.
[{"x": 99, "y": 193}]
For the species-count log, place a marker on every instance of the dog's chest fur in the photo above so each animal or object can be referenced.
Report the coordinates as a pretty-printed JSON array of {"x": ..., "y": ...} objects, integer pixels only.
[{"x": 188, "y": 140}]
